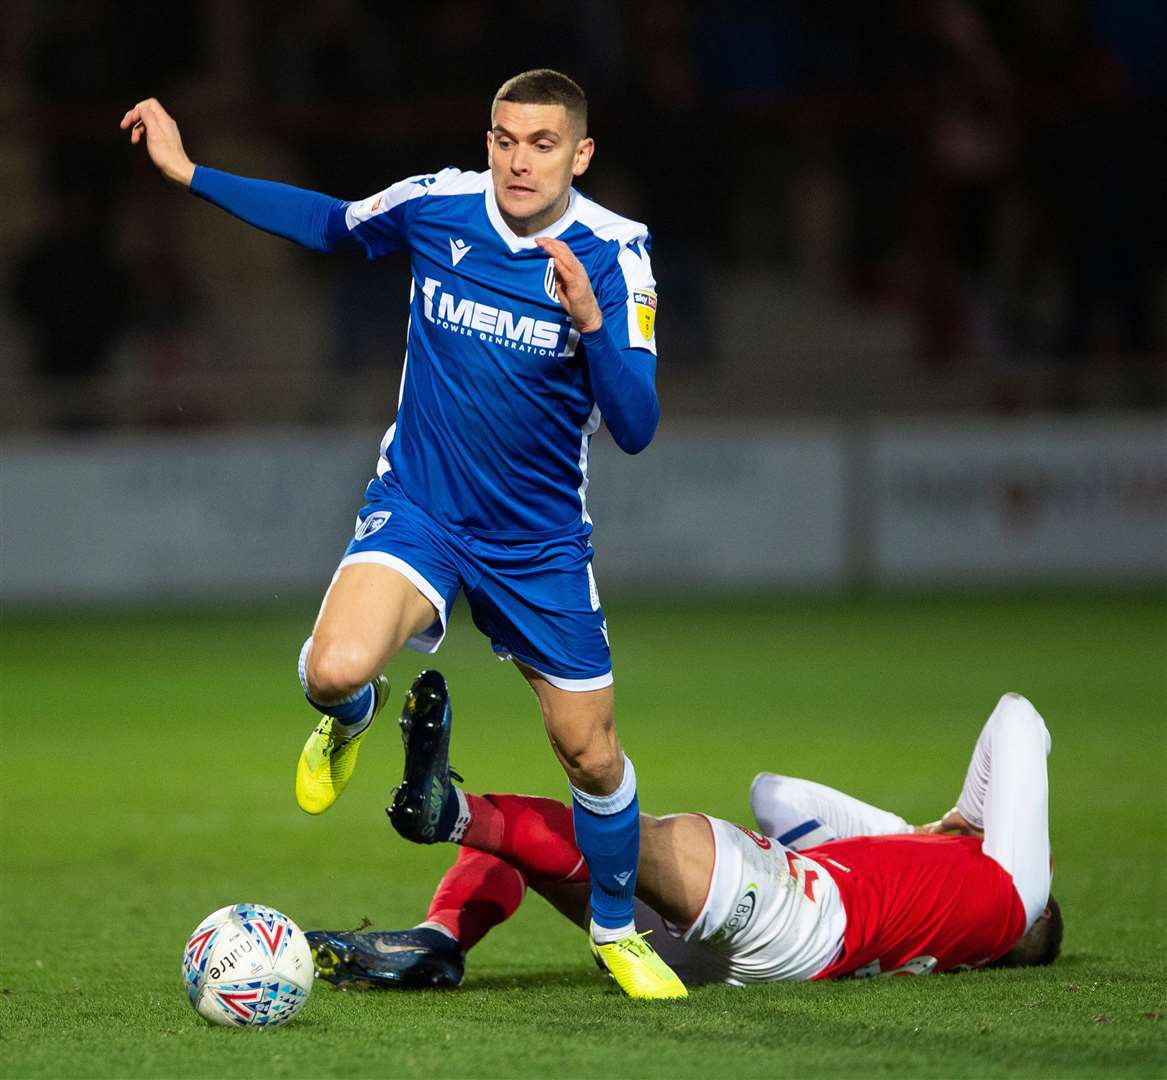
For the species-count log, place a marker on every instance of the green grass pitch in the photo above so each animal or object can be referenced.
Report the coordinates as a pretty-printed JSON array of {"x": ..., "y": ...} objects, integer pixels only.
[{"x": 147, "y": 779}]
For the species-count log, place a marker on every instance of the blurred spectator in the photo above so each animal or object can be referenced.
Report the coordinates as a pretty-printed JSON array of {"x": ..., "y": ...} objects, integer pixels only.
[
  {"x": 326, "y": 63},
  {"x": 979, "y": 179},
  {"x": 668, "y": 132},
  {"x": 164, "y": 343},
  {"x": 1094, "y": 163},
  {"x": 71, "y": 288},
  {"x": 964, "y": 154}
]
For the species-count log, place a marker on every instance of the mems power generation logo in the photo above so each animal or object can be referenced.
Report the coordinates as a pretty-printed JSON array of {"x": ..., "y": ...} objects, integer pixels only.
[{"x": 460, "y": 315}]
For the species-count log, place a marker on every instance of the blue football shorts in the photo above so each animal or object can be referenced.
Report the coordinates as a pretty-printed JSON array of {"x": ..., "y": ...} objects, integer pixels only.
[{"x": 536, "y": 600}]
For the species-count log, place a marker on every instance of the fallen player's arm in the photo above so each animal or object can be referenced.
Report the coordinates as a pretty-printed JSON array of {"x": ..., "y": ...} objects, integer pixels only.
[{"x": 305, "y": 217}]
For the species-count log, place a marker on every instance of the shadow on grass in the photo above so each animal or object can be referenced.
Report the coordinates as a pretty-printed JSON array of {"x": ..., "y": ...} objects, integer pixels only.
[
  {"x": 530, "y": 980},
  {"x": 535, "y": 980},
  {"x": 1074, "y": 960}
]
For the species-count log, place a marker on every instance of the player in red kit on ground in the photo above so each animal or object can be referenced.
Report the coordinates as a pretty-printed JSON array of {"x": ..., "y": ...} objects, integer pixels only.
[{"x": 829, "y": 886}]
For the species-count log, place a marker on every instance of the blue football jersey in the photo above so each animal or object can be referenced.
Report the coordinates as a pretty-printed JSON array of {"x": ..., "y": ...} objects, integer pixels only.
[{"x": 496, "y": 411}]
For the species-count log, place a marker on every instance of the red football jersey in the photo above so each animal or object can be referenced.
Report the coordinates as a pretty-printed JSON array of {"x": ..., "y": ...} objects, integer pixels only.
[{"x": 917, "y": 904}]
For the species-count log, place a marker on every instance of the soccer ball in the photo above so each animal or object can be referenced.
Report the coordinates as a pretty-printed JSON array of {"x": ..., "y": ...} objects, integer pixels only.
[{"x": 247, "y": 965}]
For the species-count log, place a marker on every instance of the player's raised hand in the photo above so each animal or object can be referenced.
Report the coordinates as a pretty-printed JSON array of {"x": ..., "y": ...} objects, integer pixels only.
[
  {"x": 149, "y": 120},
  {"x": 573, "y": 285}
]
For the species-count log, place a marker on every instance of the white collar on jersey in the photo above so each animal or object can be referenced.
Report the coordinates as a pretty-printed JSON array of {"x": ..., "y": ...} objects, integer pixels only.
[{"x": 525, "y": 243}]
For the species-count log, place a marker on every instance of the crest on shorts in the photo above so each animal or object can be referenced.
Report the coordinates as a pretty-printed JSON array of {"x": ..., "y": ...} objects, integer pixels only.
[
  {"x": 372, "y": 523},
  {"x": 645, "y": 302}
]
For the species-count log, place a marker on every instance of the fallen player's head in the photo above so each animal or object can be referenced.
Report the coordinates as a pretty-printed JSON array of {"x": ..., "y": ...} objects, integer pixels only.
[{"x": 1041, "y": 943}]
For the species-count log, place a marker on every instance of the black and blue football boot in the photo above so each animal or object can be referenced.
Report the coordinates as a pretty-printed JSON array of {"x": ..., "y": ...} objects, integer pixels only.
[
  {"x": 417, "y": 959},
  {"x": 425, "y": 806}
]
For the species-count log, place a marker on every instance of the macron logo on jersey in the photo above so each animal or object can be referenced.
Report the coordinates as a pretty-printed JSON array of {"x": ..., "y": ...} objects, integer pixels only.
[
  {"x": 464, "y": 316},
  {"x": 459, "y": 249}
]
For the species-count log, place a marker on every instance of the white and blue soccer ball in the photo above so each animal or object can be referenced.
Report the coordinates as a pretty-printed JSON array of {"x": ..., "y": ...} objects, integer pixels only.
[{"x": 247, "y": 965}]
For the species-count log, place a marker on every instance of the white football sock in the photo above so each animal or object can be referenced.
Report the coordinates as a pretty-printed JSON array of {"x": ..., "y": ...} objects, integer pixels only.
[
  {"x": 604, "y": 935},
  {"x": 802, "y": 814}
]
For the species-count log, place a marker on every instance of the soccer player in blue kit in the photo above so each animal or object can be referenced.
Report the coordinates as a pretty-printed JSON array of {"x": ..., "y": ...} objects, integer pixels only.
[{"x": 532, "y": 317}]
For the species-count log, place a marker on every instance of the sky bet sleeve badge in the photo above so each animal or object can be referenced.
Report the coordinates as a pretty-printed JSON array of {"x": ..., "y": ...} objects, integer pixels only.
[{"x": 645, "y": 302}]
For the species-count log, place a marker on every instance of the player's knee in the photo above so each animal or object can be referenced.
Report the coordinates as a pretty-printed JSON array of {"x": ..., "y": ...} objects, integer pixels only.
[
  {"x": 1013, "y": 704},
  {"x": 770, "y": 800},
  {"x": 1016, "y": 712},
  {"x": 334, "y": 670},
  {"x": 769, "y": 787},
  {"x": 595, "y": 766},
  {"x": 600, "y": 766}
]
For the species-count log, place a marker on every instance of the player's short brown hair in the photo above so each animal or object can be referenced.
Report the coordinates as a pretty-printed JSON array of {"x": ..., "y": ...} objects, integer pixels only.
[
  {"x": 1041, "y": 944},
  {"x": 542, "y": 86}
]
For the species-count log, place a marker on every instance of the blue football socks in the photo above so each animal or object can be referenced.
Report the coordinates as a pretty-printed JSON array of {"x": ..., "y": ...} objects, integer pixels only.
[{"x": 607, "y": 829}]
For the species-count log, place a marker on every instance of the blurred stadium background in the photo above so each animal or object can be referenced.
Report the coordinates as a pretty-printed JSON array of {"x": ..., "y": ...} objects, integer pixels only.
[{"x": 911, "y": 260}]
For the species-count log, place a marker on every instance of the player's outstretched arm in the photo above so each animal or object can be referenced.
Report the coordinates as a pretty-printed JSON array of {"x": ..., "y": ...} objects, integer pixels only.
[
  {"x": 305, "y": 217},
  {"x": 148, "y": 120}
]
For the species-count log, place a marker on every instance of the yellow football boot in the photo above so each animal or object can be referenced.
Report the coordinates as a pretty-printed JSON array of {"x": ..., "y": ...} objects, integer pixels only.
[
  {"x": 638, "y": 970},
  {"x": 329, "y": 757}
]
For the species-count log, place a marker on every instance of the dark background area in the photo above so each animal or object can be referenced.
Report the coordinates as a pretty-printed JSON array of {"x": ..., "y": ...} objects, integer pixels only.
[{"x": 856, "y": 206}]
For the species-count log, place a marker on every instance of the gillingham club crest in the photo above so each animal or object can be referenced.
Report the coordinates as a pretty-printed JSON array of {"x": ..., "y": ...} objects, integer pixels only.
[
  {"x": 549, "y": 286},
  {"x": 372, "y": 523}
]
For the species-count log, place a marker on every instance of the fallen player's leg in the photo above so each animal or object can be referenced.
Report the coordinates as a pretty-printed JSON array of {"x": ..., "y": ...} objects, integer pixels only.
[
  {"x": 476, "y": 894},
  {"x": 1006, "y": 794},
  {"x": 420, "y": 958},
  {"x": 803, "y": 814},
  {"x": 425, "y": 807}
]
